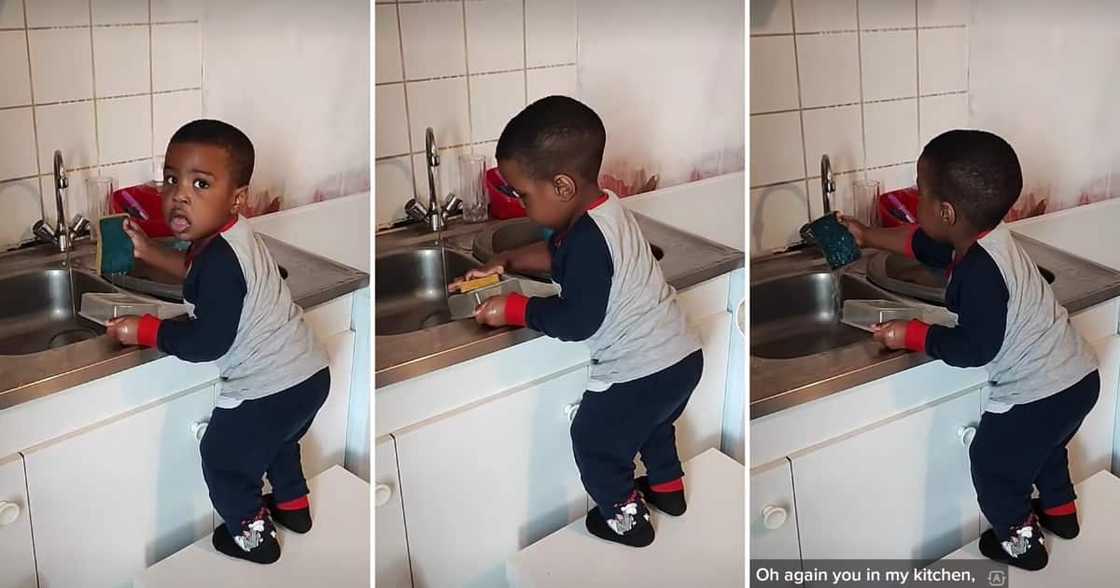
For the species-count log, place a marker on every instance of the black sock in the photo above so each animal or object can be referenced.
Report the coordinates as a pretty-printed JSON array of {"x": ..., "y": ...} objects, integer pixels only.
[
  {"x": 295, "y": 520},
  {"x": 1064, "y": 526},
  {"x": 257, "y": 544},
  {"x": 670, "y": 503}
]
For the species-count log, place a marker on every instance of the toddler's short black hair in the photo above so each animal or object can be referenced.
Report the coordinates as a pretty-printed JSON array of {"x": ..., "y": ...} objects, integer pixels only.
[
  {"x": 977, "y": 172},
  {"x": 220, "y": 134},
  {"x": 555, "y": 135}
]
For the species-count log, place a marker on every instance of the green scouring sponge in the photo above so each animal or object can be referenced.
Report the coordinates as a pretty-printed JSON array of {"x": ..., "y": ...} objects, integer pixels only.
[
  {"x": 833, "y": 239},
  {"x": 114, "y": 247}
]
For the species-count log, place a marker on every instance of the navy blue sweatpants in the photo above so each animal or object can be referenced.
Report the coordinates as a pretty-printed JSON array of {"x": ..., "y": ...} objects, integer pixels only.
[
  {"x": 613, "y": 426},
  {"x": 1025, "y": 447},
  {"x": 260, "y": 436}
]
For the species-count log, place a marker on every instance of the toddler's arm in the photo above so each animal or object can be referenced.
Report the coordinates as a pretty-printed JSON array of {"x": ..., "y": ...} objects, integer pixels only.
[
  {"x": 981, "y": 320},
  {"x": 217, "y": 311},
  {"x": 163, "y": 259},
  {"x": 907, "y": 240},
  {"x": 577, "y": 313}
]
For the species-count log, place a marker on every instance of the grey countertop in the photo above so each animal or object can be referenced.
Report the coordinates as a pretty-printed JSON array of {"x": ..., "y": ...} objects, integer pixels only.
[
  {"x": 312, "y": 280},
  {"x": 688, "y": 260},
  {"x": 778, "y": 384}
]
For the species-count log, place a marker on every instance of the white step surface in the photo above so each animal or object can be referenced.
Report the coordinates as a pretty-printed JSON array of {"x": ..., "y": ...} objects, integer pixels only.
[
  {"x": 1087, "y": 561},
  {"x": 335, "y": 553},
  {"x": 702, "y": 548}
]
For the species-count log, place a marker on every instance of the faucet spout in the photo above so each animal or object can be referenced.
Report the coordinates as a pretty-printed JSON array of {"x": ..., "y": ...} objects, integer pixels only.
[
  {"x": 431, "y": 153},
  {"x": 828, "y": 186}
]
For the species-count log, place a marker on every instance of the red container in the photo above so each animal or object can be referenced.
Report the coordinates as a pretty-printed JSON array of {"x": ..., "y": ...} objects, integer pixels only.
[
  {"x": 502, "y": 205},
  {"x": 908, "y": 197},
  {"x": 140, "y": 201}
]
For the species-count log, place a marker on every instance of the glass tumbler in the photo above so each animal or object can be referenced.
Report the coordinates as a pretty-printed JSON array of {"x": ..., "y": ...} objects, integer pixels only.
[
  {"x": 472, "y": 188},
  {"x": 865, "y": 201},
  {"x": 99, "y": 191}
]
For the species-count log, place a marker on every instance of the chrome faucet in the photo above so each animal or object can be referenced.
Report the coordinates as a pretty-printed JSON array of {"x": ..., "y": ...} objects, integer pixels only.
[
  {"x": 435, "y": 215},
  {"x": 63, "y": 235},
  {"x": 828, "y": 187}
]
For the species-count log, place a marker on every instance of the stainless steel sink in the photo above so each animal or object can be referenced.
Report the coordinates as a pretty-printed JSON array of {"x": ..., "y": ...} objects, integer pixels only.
[
  {"x": 519, "y": 233},
  {"x": 796, "y": 316},
  {"x": 411, "y": 288},
  {"x": 39, "y": 309}
]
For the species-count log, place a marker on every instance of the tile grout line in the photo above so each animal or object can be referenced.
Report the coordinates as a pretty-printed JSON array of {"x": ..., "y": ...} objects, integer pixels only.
[
  {"x": 34, "y": 114},
  {"x": 862, "y": 101},
  {"x": 407, "y": 110},
  {"x": 524, "y": 49},
  {"x": 466, "y": 68},
  {"x": 918, "y": 72},
  {"x": 93, "y": 82},
  {"x": 800, "y": 106},
  {"x": 152, "y": 91}
]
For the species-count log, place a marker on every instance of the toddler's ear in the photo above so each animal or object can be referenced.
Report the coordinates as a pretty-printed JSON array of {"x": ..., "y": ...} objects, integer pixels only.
[
  {"x": 565, "y": 187},
  {"x": 240, "y": 198},
  {"x": 947, "y": 212}
]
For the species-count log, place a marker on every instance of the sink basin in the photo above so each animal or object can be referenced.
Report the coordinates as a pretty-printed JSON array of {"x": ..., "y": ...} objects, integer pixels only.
[
  {"x": 411, "y": 288},
  {"x": 39, "y": 310},
  {"x": 795, "y": 316},
  {"x": 519, "y": 233}
]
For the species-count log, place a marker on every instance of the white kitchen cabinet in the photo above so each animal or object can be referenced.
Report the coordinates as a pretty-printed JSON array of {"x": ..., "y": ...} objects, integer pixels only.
[
  {"x": 109, "y": 500},
  {"x": 701, "y": 425},
  {"x": 773, "y": 514},
  {"x": 393, "y": 569},
  {"x": 898, "y": 489},
  {"x": 325, "y": 442},
  {"x": 1091, "y": 449},
  {"x": 483, "y": 482},
  {"x": 17, "y": 558}
]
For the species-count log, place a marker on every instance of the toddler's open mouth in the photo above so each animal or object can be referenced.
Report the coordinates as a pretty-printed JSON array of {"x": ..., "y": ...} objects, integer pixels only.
[{"x": 179, "y": 223}]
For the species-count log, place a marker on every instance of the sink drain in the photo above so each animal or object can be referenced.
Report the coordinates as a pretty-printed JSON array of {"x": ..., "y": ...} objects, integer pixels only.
[{"x": 69, "y": 336}]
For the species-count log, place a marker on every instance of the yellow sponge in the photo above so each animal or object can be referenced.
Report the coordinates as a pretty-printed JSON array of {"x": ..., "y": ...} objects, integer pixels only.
[{"x": 479, "y": 283}]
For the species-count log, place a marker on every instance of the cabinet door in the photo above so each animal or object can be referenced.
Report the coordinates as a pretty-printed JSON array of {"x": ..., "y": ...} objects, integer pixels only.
[
  {"x": 773, "y": 514},
  {"x": 484, "y": 482},
  {"x": 325, "y": 443},
  {"x": 113, "y": 499},
  {"x": 900, "y": 489},
  {"x": 392, "y": 546},
  {"x": 17, "y": 559}
]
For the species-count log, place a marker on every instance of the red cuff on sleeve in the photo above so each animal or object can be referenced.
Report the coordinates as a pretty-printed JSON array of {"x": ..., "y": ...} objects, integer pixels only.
[
  {"x": 516, "y": 305},
  {"x": 910, "y": 241},
  {"x": 148, "y": 333},
  {"x": 916, "y": 332}
]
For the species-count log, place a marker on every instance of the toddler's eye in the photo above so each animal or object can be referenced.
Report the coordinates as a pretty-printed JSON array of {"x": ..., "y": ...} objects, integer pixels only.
[
  {"x": 201, "y": 184},
  {"x": 170, "y": 180}
]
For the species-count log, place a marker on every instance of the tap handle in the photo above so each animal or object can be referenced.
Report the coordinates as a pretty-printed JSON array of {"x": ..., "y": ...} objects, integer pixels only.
[
  {"x": 80, "y": 225},
  {"x": 454, "y": 205}
]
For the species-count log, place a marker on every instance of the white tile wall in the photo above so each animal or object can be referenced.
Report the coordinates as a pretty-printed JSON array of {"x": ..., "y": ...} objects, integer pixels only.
[
  {"x": 462, "y": 67},
  {"x": 866, "y": 81},
  {"x": 79, "y": 75}
]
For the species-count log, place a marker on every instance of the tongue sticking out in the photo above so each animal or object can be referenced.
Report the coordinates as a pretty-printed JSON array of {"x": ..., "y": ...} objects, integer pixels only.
[{"x": 179, "y": 224}]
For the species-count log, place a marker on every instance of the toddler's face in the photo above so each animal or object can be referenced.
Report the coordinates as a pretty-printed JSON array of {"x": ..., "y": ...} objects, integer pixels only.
[
  {"x": 198, "y": 192},
  {"x": 541, "y": 200}
]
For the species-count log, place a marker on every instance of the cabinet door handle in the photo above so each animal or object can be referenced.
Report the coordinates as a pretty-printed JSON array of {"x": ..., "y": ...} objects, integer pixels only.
[
  {"x": 9, "y": 512},
  {"x": 966, "y": 434},
  {"x": 381, "y": 494},
  {"x": 570, "y": 411},
  {"x": 773, "y": 517},
  {"x": 198, "y": 429}
]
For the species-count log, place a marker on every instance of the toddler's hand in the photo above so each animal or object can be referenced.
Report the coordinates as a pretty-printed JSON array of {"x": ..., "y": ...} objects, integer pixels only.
[
  {"x": 891, "y": 334},
  {"x": 854, "y": 227},
  {"x": 142, "y": 245},
  {"x": 125, "y": 329},
  {"x": 492, "y": 312},
  {"x": 479, "y": 272}
]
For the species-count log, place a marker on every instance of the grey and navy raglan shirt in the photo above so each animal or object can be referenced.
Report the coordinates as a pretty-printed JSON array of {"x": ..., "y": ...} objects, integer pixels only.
[
  {"x": 1008, "y": 319},
  {"x": 241, "y": 316},
  {"x": 612, "y": 295}
]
